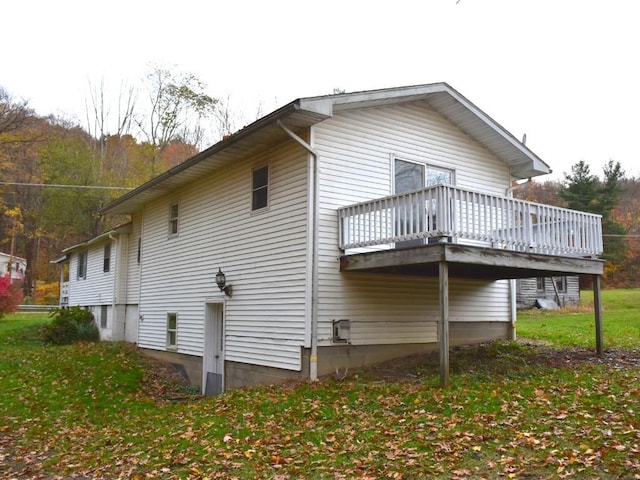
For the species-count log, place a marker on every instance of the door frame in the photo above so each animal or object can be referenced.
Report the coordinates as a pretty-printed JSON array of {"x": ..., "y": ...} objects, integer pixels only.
[{"x": 213, "y": 354}]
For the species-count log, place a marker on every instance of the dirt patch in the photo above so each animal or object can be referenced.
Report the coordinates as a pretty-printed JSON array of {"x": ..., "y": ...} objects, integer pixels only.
[{"x": 497, "y": 357}]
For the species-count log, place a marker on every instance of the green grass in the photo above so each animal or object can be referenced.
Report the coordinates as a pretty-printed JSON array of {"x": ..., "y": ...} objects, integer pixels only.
[
  {"x": 576, "y": 326},
  {"x": 97, "y": 411}
]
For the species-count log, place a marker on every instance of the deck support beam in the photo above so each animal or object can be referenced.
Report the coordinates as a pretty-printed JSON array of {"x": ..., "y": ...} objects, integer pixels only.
[
  {"x": 597, "y": 307},
  {"x": 443, "y": 324}
]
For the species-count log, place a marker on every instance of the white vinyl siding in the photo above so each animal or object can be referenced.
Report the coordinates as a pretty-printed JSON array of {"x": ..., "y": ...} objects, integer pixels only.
[
  {"x": 97, "y": 289},
  {"x": 356, "y": 149},
  {"x": 263, "y": 256}
]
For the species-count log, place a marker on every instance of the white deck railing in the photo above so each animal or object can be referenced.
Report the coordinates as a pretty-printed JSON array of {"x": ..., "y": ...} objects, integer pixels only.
[
  {"x": 64, "y": 294},
  {"x": 446, "y": 213}
]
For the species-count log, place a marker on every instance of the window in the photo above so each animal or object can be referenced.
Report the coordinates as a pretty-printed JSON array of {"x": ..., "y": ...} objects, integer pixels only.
[
  {"x": 82, "y": 264},
  {"x": 172, "y": 330},
  {"x": 106, "y": 263},
  {"x": 437, "y": 176},
  {"x": 540, "y": 284},
  {"x": 173, "y": 219},
  {"x": 139, "y": 249},
  {"x": 260, "y": 188},
  {"x": 103, "y": 316},
  {"x": 561, "y": 284},
  {"x": 411, "y": 175}
]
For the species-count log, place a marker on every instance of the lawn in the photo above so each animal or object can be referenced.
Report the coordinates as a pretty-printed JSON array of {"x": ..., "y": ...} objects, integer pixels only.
[
  {"x": 513, "y": 410},
  {"x": 576, "y": 326}
]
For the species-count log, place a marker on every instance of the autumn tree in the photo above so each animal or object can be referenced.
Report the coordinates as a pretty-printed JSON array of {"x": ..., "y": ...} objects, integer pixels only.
[
  {"x": 67, "y": 159},
  {"x": 177, "y": 108},
  {"x": 10, "y": 295},
  {"x": 627, "y": 214},
  {"x": 540, "y": 192}
]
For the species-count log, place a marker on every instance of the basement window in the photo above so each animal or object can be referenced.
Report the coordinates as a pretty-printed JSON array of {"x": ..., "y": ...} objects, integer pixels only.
[
  {"x": 172, "y": 331},
  {"x": 103, "y": 316}
]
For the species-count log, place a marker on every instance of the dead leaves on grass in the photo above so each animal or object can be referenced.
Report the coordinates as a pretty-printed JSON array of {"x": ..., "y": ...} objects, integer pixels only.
[{"x": 545, "y": 423}]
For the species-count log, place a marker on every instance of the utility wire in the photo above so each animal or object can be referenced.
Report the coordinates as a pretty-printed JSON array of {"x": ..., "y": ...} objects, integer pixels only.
[{"x": 100, "y": 187}]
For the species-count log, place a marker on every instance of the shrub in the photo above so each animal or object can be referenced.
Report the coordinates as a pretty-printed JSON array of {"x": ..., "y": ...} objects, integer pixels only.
[
  {"x": 69, "y": 325},
  {"x": 46, "y": 293},
  {"x": 10, "y": 296}
]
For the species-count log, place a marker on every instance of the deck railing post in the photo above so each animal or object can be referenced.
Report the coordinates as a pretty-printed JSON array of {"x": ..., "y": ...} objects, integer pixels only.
[
  {"x": 597, "y": 307},
  {"x": 444, "y": 323}
]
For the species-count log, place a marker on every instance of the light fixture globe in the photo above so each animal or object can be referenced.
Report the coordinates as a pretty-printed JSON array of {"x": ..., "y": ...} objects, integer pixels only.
[{"x": 221, "y": 282}]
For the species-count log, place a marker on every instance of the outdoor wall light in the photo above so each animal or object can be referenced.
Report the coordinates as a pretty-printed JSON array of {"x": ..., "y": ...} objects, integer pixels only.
[{"x": 221, "y": 281}]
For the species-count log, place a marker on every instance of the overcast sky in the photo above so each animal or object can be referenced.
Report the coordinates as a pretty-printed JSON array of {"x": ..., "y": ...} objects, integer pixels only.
[{"x": 565, "y": 72}]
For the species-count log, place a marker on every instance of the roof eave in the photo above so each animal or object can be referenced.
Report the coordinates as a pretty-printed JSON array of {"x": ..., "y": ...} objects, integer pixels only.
[{"x": 318, "y": 109}]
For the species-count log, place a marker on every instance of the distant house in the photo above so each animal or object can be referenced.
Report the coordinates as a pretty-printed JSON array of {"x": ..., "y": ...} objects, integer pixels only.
[
  {"x": 12, "y": 265},
  {"x": 334, "y": 232},
  {"x": 563, "y": 290}
]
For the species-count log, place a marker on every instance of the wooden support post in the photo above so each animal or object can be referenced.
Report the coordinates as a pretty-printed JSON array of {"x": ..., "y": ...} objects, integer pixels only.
[
  {"x": 444, "y": 323},
  {"x": 597, "y": 307}
]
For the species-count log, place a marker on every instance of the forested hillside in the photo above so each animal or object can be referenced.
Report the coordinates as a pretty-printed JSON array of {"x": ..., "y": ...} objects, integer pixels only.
[{"x": 55, "y": 174}]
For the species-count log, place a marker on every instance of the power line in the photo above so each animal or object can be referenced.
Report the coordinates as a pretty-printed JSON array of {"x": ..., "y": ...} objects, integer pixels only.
[
  {"x": 53, "y": 185},
  {"x": 620, "y": 236}
]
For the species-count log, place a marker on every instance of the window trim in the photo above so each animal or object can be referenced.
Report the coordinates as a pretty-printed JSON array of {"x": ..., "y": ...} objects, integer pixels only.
[
  {"x": 266, "y": 187},
  {"x": 106, "y": 258},
  {"x": 174, "y": 221},
  {"x": 172, "y": 333}
]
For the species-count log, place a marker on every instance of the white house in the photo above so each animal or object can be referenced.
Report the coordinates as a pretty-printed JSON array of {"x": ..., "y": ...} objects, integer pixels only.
[
  {"x": 13, "y": 266},
  {"x": 351, "y": 229}
]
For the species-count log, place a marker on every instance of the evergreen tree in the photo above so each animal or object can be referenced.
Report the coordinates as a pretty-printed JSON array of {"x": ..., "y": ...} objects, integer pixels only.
[{"x": 584, "y": 191}]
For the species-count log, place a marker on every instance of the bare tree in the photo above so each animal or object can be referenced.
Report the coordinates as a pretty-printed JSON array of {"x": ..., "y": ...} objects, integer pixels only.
[
  {"x": 97, "y": 109},
  {"x": 226, "y": 118},
  {"x": 14, "y": 114}
]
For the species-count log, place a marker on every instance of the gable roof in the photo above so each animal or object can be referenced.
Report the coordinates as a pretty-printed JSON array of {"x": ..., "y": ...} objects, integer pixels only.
[
  {"x": 305, "y": 112},
  {"x": 15, "y": 258},
  {"x": 104, "y": 237}
]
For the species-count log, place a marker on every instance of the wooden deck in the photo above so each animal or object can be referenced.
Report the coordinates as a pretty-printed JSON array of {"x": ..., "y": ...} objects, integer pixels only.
[
  {"x": 446, "y": 232},
  {"x": 468, "y": 261}
]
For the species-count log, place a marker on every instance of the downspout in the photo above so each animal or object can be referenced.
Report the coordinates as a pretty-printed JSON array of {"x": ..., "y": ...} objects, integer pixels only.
[
  {"x": 139, "y": 245},
  {"x": 513, "y": 307},
  {"x": 313, "y": 359},
  {"x": 115, "y": 284}
]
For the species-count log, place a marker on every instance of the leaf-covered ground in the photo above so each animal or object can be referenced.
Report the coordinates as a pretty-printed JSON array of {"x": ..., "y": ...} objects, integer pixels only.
[{"x": 512, "y": 410}]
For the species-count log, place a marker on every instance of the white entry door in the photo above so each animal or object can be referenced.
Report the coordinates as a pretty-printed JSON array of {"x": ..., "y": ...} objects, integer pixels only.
[{"x": 213, "y": 355}]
